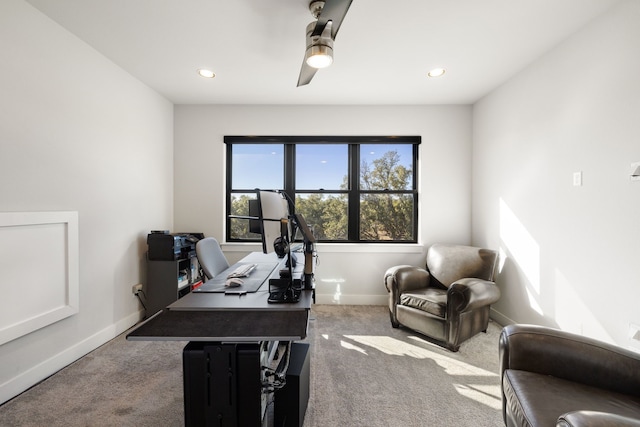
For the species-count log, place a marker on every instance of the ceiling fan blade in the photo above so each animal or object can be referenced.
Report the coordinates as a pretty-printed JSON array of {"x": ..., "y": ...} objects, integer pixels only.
[
  {"x": 328, "y": 21},
  {"x": 333, "y": 10},
  {"x": 306, "y": 74}
]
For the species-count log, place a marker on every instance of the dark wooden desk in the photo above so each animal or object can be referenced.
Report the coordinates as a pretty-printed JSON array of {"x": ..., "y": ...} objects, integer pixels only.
[
  {"x": 238, "y": 318},
  {"x": 230, "y": 336}
]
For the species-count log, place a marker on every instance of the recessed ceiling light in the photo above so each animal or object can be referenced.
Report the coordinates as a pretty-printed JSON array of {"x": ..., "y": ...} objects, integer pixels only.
[
  {"x": 206, "y": 73},
  {"x": 436, "y": 72}
]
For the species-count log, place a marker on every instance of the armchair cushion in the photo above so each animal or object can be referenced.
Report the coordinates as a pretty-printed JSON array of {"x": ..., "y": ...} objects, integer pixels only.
[
  {"x": 538, "y": 400},
  {"x": 450, "y": 263},
  {"x": 429, "y": 300}
]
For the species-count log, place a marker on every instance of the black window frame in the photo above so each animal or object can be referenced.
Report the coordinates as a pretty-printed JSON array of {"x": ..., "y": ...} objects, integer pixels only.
[{"x": 353, "y": 192}]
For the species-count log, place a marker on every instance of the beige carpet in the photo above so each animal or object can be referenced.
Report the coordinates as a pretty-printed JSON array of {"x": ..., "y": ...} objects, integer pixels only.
[{"x": 363, "y": 373}]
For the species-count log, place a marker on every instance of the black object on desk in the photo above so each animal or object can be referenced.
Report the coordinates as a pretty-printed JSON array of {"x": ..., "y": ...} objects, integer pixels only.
[
  {"x": 165, "y": 246},
  {"x": 287, "y": 288},
  {"x": 283, "y": 291}
]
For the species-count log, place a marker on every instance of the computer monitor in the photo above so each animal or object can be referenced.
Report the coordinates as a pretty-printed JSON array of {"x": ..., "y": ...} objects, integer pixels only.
[{"x": 273, "y": 214}]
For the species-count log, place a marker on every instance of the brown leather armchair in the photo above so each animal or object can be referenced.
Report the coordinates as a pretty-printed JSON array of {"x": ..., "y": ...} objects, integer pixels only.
[
  {"x": 449, "y": 301},
  {"x": 553, "y": 377}
]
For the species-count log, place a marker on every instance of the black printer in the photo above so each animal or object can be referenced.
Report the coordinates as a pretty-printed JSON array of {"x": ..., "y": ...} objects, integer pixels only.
[{"x": 165, "y": 246}]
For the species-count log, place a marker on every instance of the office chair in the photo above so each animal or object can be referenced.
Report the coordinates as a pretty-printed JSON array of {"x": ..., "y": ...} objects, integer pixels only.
[{"x": 210, "y": 257}]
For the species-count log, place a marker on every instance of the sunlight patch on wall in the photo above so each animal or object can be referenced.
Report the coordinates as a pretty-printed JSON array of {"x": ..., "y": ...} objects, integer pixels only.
[
  {"x": 523, "y": 248},
  {"x": 533, "y": 301},
  {"x": 502, "y": 259},
  {"x": 524, "y": 251},
  {"x": 338, "y": 293}
]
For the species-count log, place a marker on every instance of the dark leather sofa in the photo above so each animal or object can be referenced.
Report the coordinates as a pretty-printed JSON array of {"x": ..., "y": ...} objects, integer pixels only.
[{"x": 555, "y": 378}]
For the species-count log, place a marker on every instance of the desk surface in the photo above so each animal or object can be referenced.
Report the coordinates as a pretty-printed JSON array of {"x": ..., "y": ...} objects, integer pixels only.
[
  {"x": 234, "y": 318},
  {"x": 255, "y": 301}
]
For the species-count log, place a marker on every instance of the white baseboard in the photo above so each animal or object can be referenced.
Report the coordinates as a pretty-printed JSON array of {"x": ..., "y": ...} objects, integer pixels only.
[
  {"x": 500, "y": 318},
  {"x": 329, "y": 299},
  {"x": 352, "y": 299},
  {"x": 23, "y": 381}
]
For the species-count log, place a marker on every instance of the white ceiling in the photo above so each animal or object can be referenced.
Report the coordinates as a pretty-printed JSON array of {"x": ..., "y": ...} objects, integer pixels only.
[{"x": 381, "y": 54}]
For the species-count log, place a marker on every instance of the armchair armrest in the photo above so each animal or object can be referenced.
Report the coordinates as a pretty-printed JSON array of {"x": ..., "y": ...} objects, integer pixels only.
[
  {"x": 404, "y": 278},
  {"x": 570, "y": 356},
  {"x": 469, "y": 294},
  {"x": 595, "y": 419}
]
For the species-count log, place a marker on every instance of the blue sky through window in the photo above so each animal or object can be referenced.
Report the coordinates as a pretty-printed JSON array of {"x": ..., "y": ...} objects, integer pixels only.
[
  {"x": 318, "y": 166},
  {"x": 258, "y": 166},
  {"x": 321, "y": 166}
]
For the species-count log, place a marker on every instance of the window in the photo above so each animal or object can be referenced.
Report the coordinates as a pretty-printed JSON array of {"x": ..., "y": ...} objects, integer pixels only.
[{"x": 349, "y": 189}]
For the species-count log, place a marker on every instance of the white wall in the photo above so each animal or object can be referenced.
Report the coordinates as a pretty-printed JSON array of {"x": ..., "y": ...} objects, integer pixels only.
[
  {"x": 349, "y": 274},
  {"x": 79, "y": 134},
  {"x": 572, "y": 252}
]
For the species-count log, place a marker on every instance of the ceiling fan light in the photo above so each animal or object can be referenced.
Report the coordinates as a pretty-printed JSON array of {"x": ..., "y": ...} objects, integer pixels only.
[
  {"x": 319, "y": 53},
  {"x": 436, "y": 72},
  {"x": 319, "y": 56},
  {"x": 202, "y": 72}
]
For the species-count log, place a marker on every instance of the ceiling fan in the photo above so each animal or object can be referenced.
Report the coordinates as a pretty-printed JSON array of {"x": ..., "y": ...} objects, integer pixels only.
[{"x": 320, "y": 36}]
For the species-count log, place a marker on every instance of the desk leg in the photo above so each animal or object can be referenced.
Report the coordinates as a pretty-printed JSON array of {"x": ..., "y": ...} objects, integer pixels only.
[{"x": 291, "y": 400}]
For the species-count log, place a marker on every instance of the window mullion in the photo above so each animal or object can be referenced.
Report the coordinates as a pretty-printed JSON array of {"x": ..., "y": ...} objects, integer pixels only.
[
  {"x": 414, "y": 231},
  {"x": 354, "y": 193},
  {"x": 290, "y": 170}
]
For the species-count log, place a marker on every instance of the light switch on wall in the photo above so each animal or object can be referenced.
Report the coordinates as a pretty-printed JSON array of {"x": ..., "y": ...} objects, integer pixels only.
[
  {"x": 577, "y": 179},
  {"x": 634, "y": 166}
]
